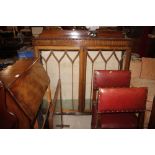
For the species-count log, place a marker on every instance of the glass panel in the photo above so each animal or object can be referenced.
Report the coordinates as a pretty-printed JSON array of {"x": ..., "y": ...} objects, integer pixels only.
[{"x": 64, "y": 65}]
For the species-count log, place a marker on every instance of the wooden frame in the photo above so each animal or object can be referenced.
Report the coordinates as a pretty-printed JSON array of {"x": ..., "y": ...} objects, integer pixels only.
[
  {"x": 65, "y": 41},
  {"x": 53, "y": 106}
]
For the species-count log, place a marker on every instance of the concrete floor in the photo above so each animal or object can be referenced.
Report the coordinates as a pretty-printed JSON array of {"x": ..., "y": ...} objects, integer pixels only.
[
  {"x": 73, "y": 121},
  {"x": 77, "y": 122}
]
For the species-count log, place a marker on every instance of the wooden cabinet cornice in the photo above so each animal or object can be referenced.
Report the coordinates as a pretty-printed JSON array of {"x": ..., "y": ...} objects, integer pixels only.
[
  {"x": 104, "y": 39},
  {"x": 23, "y": 87}
]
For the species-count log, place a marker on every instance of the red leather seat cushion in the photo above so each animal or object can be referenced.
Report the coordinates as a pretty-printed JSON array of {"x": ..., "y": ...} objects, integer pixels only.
[{"x": 119, "y": 121}]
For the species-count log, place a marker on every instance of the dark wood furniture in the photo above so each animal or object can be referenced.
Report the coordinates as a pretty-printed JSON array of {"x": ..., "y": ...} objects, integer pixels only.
[
  {"x": 7, "y": 119},
  {"x": 22, "y": 88},
  {"x": 69, "y": 40},
  {"x": 152, "y": 116},
  {"x": 120, "y": 108}
]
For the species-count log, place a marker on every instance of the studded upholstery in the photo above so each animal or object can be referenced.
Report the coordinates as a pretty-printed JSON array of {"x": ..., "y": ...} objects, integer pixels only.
[
  {"x": 120, "y": 107},
  {"x": 121, "y": 99},
  {"x": 117, "y": 105}
]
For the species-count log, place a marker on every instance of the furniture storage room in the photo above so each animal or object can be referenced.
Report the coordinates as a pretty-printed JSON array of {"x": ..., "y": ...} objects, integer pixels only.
[{"x": 76, "y": 77}]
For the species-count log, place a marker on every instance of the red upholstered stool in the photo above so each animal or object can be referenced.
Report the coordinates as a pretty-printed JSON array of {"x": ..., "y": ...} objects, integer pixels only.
[{"x": 119, "y": 108}]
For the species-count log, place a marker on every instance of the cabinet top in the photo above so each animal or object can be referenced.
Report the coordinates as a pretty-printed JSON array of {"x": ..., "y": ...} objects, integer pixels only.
[
  {"x": 82, "y": 38},
  {"x": 80, "y": 34}
]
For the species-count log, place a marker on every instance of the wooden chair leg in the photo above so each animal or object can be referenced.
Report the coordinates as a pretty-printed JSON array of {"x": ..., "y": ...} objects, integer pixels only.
[
  {"x": 94, "y": 116},
  {"x": 141, "y": 120},
  {"x": 152, "y": 116}
]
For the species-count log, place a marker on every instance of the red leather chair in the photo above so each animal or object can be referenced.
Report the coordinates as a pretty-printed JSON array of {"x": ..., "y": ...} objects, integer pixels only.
[
  {"x": 110, "y": 78},
  {"x": 119, "y": 108}
]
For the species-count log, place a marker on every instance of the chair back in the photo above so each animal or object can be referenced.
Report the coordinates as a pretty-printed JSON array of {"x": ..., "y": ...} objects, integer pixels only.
[
  {"x": 111, "y": 78},
  {"x": 122, "y": 100}
]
